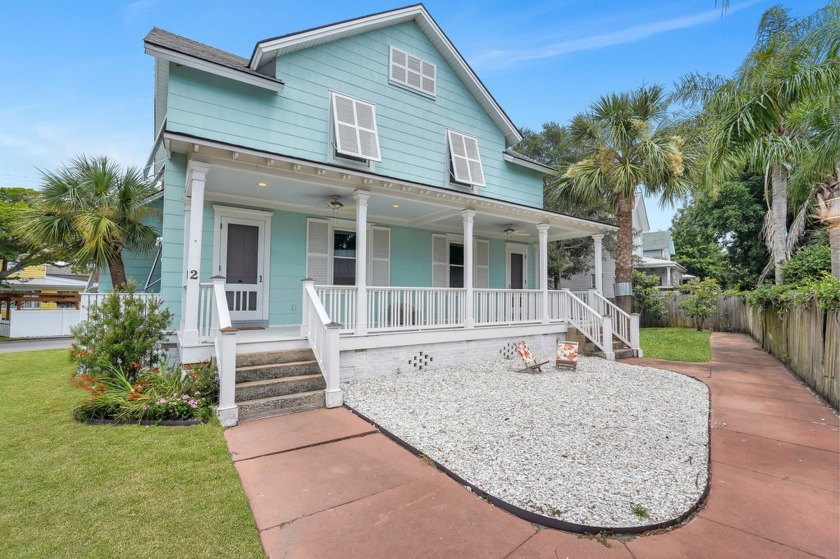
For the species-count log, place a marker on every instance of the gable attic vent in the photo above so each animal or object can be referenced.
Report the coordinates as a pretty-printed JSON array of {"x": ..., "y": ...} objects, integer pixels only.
[{"x": 412, "y": 72}]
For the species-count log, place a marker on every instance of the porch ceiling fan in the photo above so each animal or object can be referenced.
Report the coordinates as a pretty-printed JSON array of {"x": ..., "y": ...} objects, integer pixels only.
[
  {"x": 510, "y": 231},
  {"x": 336, "y": 206}
]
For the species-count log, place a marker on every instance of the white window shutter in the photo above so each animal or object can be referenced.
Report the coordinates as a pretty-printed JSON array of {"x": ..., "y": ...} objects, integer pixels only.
[
  {"x": 380, "y": 256},
  {"x": 481, "y": 275},
  {"x": 318, "y": 250},
  {"x": 440, "y": 261},
  {"x": 465, "y": 159},
  {"x": 413, "y": 72},
  {"x": 355, "y": 128}
]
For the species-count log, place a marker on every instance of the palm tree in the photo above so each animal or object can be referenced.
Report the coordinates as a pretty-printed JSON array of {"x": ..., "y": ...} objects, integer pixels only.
[
  {"x": 627, "y": 145},
  {"x": 94, "y": 209},
  {"x": 747, "y": 119}
]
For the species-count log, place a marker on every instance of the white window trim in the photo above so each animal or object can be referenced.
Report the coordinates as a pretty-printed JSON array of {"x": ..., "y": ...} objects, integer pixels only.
[
  {"x": 511, "y": 248},
  {"x": 405, "y": 84},
  {"x": 459, "y": 240},
  {"x": 334, "y": 156},
  {"x": 452, "y": 178}
]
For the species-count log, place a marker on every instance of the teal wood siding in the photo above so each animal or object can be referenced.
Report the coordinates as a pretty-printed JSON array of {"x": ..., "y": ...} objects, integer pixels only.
[
  {"x": 412, "y": 127},
  {"x": 172, "y": 257},
  {"x": 411, "y": 257}
]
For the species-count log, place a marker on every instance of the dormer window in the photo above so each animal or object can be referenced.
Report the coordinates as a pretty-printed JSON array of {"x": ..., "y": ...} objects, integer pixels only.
[
  {"x": 413, "y": 73},
  {"x": 465, "y": 160},
  {"x": 354, "y": 129}
]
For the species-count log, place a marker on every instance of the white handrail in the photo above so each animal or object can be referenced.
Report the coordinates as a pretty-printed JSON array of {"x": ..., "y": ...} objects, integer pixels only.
[
  {"x": 594, "y": 326},
  {"x": 224, "y": 339},
  {"x": 621, "y": 320},
  {"x": 323, "y": 336}
]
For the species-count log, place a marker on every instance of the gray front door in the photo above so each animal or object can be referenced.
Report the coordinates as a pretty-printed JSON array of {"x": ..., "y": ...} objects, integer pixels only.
[
  {"x": 517, "y": 270},
  {"x": 241, "y": 264}
]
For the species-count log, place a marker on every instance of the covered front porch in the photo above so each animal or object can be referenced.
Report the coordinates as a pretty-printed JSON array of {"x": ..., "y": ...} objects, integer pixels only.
[{"x": 371, "y": 273}]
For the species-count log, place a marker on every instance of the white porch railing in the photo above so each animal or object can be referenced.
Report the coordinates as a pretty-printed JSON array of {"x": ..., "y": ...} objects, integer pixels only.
[
  {"x": 205, "y": 312},
  {"x": 323, "y": 336},
  {"x": 412, "y": 308},
  {"x": 339, "y": 302},
  {"x": 507, "y": 306},
  {"x": 622, "y": 322},
  {"x": 224, "y": 340},
  {"x": 583, "y": 317}
]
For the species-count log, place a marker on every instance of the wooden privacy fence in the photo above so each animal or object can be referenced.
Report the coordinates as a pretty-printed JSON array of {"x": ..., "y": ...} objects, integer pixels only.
[{"x": 804, "y": 338}]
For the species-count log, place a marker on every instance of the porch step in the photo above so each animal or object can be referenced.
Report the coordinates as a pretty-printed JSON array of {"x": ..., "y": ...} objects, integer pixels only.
[
  {"x": 260, "y": 389},
  {"x": 268, "y": 371},
  {"x": 280, "y": 405},
  {"x": 623, "y": 353},
  {"x": 278, "y": 383},
  {"x": 274, "y": 357}
]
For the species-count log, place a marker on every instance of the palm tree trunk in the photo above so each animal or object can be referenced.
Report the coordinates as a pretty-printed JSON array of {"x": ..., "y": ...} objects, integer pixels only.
[
  {"x": 779, "y": 182},
  {"x": 117, "y": 270},
  {"x": 624, "y": 254}
]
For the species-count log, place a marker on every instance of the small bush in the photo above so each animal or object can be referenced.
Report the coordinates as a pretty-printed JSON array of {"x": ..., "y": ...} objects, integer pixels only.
[
  {"x": 825, "y": 290},
  {"x": 646, "y": 298},
  {"x": 123, "y": 332},
  {"x": 702, "y": 300}
]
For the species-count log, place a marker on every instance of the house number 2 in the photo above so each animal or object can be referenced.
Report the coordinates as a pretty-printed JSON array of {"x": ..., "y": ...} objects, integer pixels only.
[{"x": 193, "y": 274}]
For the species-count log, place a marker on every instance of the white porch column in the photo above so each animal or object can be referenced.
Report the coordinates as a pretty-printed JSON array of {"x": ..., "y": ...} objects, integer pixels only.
[
  {"x": 668, "y": 272},
  {"x": 196, "y": 177},
  {"x": 599, "y": 263},
  {"x": 542, "y": 229},
  {"x": 469, "y": 303},
  {"x": 361, "y": 261}
]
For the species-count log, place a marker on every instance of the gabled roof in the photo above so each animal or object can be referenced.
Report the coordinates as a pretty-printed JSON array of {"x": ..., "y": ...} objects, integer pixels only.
[
  {"x": 657, "y": 240},
  {"x": 525, "y": 161},
  {"x": 178, "y": 49},
  {"x": 648, "y": 262},
  {"x": 266, "y": 50}
]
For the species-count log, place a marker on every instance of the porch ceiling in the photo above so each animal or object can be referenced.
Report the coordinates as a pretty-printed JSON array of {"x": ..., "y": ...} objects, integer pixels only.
[{"x": 302, "y": 186}]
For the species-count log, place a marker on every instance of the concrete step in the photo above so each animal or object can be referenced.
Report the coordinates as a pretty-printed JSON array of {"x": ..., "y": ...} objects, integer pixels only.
[
  {"x": 619, "y": 353},
  {"x": 280, "y": 405},
  {"x": 274, "y": 357},
  {"x": 260, "y": 389},
  {"x": 269, "y": 371}
]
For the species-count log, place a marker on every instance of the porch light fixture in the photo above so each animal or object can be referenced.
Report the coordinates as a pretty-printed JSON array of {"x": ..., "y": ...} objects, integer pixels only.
[
  {"x": 262, "y": 184},
  {"x": 395, "y": 205},
  {"x": 335, "y": 204}
]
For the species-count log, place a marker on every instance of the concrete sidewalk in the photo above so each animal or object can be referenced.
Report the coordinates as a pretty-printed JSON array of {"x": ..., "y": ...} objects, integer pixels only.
[{"x": 325, "y": 483}]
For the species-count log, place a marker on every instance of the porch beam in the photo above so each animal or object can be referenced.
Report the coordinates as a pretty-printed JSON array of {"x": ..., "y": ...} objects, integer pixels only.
[
  {"x": 361, "y": 198},
  {"x": 542, "y": 230},
  {"x": 469, "y": 307},
  {"x": 196, "y": 177},
  {"x": 433, "y": 217},
  {"x": 599, "y": 263}
]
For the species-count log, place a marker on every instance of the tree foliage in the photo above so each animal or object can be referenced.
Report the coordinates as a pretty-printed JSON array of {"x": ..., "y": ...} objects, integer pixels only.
[
  {"x": 646, "y": 297},
  {"x": 15, "y": 252},
  {"x": 811, "y": 262},
  {"x": 719, "y": 236},
  {"x": 94, "y": 210}
]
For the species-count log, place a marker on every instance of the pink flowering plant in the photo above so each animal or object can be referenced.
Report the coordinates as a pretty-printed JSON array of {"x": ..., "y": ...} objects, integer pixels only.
[{"x": 152, "y": 394}]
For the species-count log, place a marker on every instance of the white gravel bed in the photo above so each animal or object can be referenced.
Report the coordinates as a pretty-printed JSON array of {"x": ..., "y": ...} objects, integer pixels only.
[{"x": 586, "y": 446}]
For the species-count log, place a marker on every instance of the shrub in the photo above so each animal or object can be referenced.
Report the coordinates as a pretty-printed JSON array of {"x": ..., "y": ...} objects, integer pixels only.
[
  {"x": 123, "y": 332},
  {"x": 808, "y": 264},
  {"x": 825, "y": 290},
  {"x": 646, "y": 297},
  {"x": 187, "y": 392},
  {"x": 702, "y": 300}
]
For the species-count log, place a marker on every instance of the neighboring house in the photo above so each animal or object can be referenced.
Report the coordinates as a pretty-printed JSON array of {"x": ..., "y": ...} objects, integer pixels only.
[
  {"x": 368, "y": 157},
  {"x": 48, "y": 281},
  {"x": 652, "y": 252},
  {"x": 40, "y": 301},
  {"x": 657, "y": 250}
]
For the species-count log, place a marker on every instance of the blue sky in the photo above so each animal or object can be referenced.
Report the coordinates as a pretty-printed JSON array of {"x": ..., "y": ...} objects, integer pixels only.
[{"x": 77, "y": 81}]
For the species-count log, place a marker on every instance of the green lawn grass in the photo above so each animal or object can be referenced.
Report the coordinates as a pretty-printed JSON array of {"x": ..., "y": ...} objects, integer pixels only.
[
  {"x": 676, "y": 344},
  {"x": 73, "y": 490}
]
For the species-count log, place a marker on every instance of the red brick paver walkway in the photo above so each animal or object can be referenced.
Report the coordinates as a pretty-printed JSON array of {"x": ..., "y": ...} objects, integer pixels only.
[{"x": 325, "y": 483}]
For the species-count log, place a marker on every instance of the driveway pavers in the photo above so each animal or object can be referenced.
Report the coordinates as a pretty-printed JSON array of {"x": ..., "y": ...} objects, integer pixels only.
[{"x": 325, "y": 483}]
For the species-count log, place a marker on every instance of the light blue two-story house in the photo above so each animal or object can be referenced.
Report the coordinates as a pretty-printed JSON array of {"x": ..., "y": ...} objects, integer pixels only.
[{"x": 351, "y": 190}]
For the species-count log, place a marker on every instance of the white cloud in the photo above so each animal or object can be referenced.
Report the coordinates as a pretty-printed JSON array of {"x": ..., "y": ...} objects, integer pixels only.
[{"x": 506, "y": 58}]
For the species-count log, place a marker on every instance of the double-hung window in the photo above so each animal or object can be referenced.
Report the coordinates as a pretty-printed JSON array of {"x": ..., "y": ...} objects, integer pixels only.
[
  {"x": 464, "y": 159},
  {"x": 354, "y": 128},
  {"x": 344, "y": 258},
  {"x": 448, "y": 262},
  {"x": 331, "y": 253}
]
